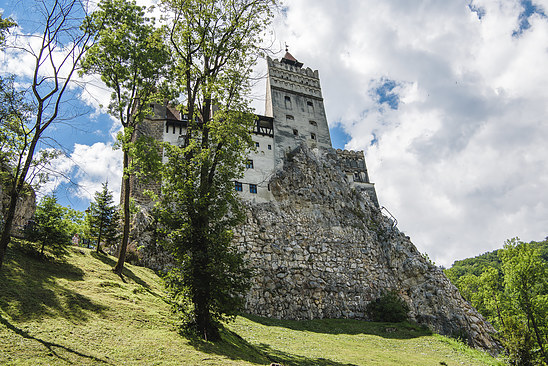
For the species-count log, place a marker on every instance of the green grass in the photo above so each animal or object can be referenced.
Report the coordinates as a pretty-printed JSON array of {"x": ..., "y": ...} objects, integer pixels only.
[{"x": 77, "y": 311}]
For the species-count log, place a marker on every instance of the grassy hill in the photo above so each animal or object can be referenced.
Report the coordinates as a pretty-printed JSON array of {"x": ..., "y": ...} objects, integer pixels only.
[{"x": 77, "y": 311}]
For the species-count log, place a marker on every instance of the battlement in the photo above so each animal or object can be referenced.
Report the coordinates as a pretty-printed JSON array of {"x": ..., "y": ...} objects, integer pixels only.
[
  {"x": 286, "y": 77},
  {"x": 277, "y": 65}
]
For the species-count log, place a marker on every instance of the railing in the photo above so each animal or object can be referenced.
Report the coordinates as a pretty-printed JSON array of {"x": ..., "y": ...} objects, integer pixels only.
[{"x": 392, "y": 218}]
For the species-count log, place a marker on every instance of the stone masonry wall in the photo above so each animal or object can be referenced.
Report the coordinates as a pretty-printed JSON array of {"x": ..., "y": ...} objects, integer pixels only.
[{"x": 324, "y": 250}]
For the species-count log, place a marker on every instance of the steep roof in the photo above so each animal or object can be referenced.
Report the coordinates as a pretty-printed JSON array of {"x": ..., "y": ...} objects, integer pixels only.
[{"x": 290, "y": 60}]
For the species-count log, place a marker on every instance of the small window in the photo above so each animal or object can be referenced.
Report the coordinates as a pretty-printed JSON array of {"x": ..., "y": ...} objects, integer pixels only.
[
  {"x": 249, "y": 164},
  {"x": 238, "y": 186},
  {"x": 256, "y": 144},
  {"x": 295, "y": 132},
  {"x": 287, "y": 102},
  {"x": 252, "y": 188},
  {"x": 269, "y": 147},
  {"x": 313, "y": 123},
  {"x": 289, "y": 118},
  {"x": 356, "y": 176},
  {"x": 310, "y": 107},
  {"x": 313, "y": 136}
]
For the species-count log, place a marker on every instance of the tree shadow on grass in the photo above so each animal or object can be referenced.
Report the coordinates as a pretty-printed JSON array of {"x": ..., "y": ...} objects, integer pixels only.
[
  {"x": 52, "y": 347},
  {"x": 235, "y": 347},
  {"x": 404, "y": 330},
  {"x": 108, "y": 260},
  {"x": 30, "y": 290}
]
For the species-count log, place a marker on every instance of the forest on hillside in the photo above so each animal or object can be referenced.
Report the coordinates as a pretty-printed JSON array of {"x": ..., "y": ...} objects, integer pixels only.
[{"x": 509, "y": 287}]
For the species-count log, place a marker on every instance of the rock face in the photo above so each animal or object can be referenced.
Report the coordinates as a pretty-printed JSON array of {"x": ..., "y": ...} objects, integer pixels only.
[
  {"x": 26, "y": 205},
  {"x": 324, "y": 250}
]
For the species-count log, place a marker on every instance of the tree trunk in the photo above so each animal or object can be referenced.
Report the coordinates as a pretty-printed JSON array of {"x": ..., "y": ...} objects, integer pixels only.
[
  {"x": 99, "y": 237},
  {"x": 16, "y": 189},
  {"x": 537, "y": 334},
  {"x": 8, "y": 223},
  {"x": 125, "y": 236}
]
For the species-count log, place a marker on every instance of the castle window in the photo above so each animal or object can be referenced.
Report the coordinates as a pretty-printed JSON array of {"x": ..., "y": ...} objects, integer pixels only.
[
  {"x": 249, "y": 164},
  {"x": 295, "y": 132},
  {"x": 313, "y": 123},
  {"x": 252, "y": 188},
  {"x": 310, "y": 107},
  {"x": 313, "y": 136},
  {"x": 287, "y": 102},
  {"x": 356, "y": 177},
  {"x": 238, "y": 186},
  {"x": 289, "y": 118},
  {"x": 256, "y": 144},
  {"x": 269, "y": 147}
]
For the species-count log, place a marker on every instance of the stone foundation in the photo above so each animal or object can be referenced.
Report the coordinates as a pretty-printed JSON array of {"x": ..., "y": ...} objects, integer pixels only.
[{"x": 322, "y": 249}]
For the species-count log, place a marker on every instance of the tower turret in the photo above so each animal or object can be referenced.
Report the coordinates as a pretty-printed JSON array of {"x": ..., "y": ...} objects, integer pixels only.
[{"x": 294, "y": 99}]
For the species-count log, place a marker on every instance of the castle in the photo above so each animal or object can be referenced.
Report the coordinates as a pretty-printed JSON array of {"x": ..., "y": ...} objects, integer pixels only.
[
  {"x": 295, "y": 115},
  {"x": 314, "y": 233}
]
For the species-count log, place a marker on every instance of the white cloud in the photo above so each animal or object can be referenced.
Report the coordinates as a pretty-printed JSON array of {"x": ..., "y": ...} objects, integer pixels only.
[
  {"x": 462, "y": 162},
  {"x": 95, "y": 165},
  {"x": 89, "y": 167}
]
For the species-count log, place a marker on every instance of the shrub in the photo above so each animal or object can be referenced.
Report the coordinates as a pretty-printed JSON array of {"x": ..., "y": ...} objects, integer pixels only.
[{"x": 389, "y": 307}]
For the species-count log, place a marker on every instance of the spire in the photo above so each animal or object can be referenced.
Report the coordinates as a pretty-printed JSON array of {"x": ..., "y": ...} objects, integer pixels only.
[{"x": 289, "y": 59}]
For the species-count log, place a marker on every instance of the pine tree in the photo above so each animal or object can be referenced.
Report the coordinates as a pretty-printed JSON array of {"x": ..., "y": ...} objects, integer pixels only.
[
  {"x": 48, "y": 228},
  {"x": 103, "y": 218}
]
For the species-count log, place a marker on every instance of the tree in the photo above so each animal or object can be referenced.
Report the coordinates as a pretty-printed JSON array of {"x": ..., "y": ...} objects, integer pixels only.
[
  {"x": 63, "y": 40},
  {"x": 525, "y": 280},
  {"x": 215, "y": 43},
  {"x": 511, "y": 291},
  {"x": 48, "y": 228},
  {"x": 131, "y": 58},
  {"x": 103, "y": 218}
]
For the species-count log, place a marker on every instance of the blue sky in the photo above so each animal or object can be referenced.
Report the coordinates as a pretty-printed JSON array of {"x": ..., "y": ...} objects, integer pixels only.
[{"x": 447, "y": 98}]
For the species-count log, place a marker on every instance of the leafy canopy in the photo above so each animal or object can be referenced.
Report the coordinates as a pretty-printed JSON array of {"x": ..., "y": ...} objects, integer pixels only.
[{"x": 215, "y": 45}]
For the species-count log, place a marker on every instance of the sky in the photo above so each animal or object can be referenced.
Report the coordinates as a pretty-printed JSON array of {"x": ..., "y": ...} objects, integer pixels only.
[{"x": 447, "y": 99}]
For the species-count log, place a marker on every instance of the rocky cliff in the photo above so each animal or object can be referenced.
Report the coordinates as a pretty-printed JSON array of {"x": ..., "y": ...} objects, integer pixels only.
[{"x": 324, "y": 250}]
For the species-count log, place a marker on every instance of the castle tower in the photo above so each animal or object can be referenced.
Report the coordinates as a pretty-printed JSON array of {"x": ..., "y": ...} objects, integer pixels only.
[{"x": 294, "y": 99}]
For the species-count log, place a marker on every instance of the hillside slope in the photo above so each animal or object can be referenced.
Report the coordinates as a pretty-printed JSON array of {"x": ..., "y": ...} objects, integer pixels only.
[{"x": 76, "y": 311}]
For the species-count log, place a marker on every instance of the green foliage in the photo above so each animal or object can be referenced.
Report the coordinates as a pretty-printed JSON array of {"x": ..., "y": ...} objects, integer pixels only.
[
  {"x": 389, "y": 307},
  {"x": 75, "y": 222},
  {"x": 215, "y": 45},
  {"x": 511, "y": 291},
  {"x": 211, "y": 275},
  {"x": 526, "y": 283},
  {"x": 474, "y": 266},
  {"x": 14, "y": 115},
  {"x": 62, "y": 37},
  {"x": 48, "y": 228},
  {"x": 131, "y": 57},
  {"x": 103, "y": 218},
  {"x": 5, "y": 25}
]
